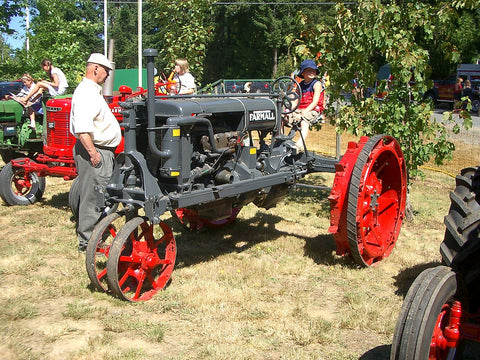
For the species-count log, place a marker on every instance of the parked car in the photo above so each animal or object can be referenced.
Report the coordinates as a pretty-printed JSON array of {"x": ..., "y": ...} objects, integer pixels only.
[
  {"x": 10, "y": 87},
  {"x": 443, "y": 89}
]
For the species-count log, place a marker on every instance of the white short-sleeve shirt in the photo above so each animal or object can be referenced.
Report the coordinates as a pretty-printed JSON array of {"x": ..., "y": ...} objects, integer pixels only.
[
  {"x": 62, "y": 83},
  {"x": 187, "y": 81},
  {"x": 91, "y": 114}
]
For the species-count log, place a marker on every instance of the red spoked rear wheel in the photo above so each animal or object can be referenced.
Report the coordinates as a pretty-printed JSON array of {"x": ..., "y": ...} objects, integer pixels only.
[
  {"x": 141, "y": 260},
  {"x": 368, "y": 199},
  {"x": 192, "y": 221}
]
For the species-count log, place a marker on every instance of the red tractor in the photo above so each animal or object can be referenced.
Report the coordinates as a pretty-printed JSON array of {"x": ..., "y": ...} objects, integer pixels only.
[{"x": 440, "y": 315}]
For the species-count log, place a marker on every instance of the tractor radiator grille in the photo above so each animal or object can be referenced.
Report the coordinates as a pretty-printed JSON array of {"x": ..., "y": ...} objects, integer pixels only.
[{"x": 58, "y": 134}]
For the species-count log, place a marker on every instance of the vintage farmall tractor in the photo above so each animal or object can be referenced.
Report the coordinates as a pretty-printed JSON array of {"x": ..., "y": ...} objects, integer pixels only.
[
  {"x": 195, "y": 157},
  {"x": 441, "y": 312},
  {"x": 32, "y": 157}
]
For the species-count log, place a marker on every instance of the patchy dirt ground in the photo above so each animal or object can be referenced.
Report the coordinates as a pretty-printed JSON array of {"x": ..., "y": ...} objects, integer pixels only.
[{"x": 267, "y": 287}]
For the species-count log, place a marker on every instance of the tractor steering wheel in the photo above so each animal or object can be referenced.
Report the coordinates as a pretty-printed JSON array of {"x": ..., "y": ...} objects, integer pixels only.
[
  {"x": 170, "y": 86},
  {"x": 289, "y": 91}
]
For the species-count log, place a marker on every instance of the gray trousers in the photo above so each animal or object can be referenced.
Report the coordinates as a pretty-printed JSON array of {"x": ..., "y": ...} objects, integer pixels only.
[{"x": 88, "y": 178}]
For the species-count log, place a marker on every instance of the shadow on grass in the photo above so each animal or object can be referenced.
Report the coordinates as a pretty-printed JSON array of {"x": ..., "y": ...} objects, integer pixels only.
[
  {"x": 381, "y": 352},
  {"x": 198, "y": 246},
  {"x": 309, "y": 195},
  {"x": 407, "y": 276},
  {"x": 57, "y": 201}
]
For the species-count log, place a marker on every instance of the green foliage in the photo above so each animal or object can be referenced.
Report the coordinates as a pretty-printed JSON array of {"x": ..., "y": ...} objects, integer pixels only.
[
  {"x": 65, "y": 32},
  {"x": 124, "y": 29},
  {"x": 255, "y": 41},
  {"x": 9, "y": 9},
  {"x": 453, "y": 39},
  {"x": 181, "y": 29},
  {"x": 386, "y": 33}
]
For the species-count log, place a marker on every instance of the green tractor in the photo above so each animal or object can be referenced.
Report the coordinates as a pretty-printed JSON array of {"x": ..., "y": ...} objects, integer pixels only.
[{"x": 16, "y": 137}]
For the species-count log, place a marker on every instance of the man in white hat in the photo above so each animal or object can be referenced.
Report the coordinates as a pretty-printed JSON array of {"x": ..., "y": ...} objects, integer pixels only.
[{"x": 98, "y": 134}]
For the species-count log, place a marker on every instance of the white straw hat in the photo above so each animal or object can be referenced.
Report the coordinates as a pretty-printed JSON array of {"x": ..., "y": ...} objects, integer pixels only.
[{"x": 100, "y": 59}]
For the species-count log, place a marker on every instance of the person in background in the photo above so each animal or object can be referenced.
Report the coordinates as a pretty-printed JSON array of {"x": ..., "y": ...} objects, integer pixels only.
[
  {"x": 357, "y": 90},
  {"x": 312, "y": 101},
  {"x": 468, "y": 92},
  {"x": 98, "y": 134},
  {"x": 457, "y": 93},
  {"x": 56, "y": 85},
  {"x": 326, "y": 84},
  {"x": 187, "y": 80},
  {"x": 33, "y": 104}
]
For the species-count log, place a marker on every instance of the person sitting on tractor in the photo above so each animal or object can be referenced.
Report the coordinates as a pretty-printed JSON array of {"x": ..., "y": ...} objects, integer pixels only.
[
  {"x": 311, "y": 103},
  {"x": 33, "y": 104},
  {"x": 187, "y": 80},
  {"x": 57, "y": 85}
]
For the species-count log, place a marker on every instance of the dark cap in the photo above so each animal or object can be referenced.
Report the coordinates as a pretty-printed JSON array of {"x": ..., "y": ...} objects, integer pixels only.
[{"x": 307, "y": 64}]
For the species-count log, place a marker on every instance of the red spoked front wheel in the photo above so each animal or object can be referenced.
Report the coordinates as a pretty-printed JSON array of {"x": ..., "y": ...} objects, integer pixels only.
[{"x": 141, "y": 260}]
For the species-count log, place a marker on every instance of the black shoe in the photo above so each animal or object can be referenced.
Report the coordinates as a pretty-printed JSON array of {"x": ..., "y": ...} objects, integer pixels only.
[{"x": 82, "y": 247}]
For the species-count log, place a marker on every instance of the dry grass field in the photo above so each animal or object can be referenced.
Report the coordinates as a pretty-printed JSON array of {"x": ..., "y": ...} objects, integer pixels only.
[{"x": 268, "y": 286}]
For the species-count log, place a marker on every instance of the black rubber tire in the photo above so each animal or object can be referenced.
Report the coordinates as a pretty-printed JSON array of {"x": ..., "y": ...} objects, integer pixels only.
[
  {"x": 422, "y": 307},
  {"x": 463, "y": 219},
  {"x": 74, "y": 198},
  {"x": 475, "y": 105},
  {"x": 29, "y": 195},
  {"x": 404, "y": 311},
  {"x": 98, "y": 249}
]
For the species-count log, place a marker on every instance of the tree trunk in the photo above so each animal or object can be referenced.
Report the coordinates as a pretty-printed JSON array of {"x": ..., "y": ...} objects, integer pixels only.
[{"x": 275, "y": 62}]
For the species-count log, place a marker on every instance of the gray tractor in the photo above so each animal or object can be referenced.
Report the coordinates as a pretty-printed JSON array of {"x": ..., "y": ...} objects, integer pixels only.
[{"x": 202, "y": 158}]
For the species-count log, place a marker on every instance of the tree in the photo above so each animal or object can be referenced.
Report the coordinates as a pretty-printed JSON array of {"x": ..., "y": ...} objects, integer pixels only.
[
  {"x": 276, "y": 22},
  {"x": 253, "y": 40},
  {"x": 9, "y": 9},
  {"x": 387, "y": 32},
  {"x": 65, "y": 32},
  {"x": 454, "y": 39},
  {"x": 124, "y": 29},
  {"x": 180, "y": 29}
]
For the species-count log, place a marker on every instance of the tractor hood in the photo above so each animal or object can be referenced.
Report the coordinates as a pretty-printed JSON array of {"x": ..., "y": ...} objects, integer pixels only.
[
  {"x": 207, "y": 106},
  {"x": 10, "y": 110}
]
